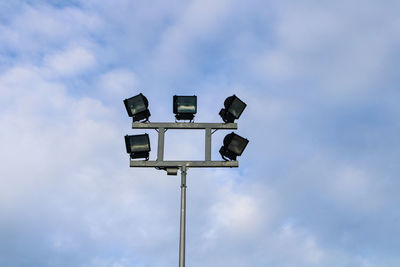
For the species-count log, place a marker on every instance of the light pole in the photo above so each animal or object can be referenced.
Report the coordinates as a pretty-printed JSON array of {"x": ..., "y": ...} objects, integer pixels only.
[
  {"x": 172, "y": 166},
  {"x": 139, "y": 146},
  {"x": 182, "y": 233}
]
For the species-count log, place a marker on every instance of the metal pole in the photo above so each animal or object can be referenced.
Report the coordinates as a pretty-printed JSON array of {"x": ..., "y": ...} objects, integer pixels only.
[
  {"x": 160, "y": 150},
  {"x": 183, "y": 218},
  {"x": 208, "y": 145}
]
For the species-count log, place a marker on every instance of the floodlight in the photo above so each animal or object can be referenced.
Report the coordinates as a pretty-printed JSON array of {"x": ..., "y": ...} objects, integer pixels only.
[
  {"x": 138, "y": 146},
  {"x": 234, "y": 146},
  {"x": 185, "y": 107},
  {"x": 233, "y": 109},
  {"x": 137, "y": 107}
]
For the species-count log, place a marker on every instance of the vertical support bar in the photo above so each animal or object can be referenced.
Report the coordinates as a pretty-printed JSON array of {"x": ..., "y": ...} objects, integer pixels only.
[
  {"x": 208, "y": 144},
  {"x": 183, "y": 218},
  {"x": 160, "y": 150}
]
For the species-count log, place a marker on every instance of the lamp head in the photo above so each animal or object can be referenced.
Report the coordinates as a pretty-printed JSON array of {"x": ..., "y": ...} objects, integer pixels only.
[
  {"x": 233, "y": 109},
  {"x": 234, "y": 146},
  {"x": 138, "y": 146},
  {"x": 137, "y": 107},
  {"x": 184, "y": 107}
]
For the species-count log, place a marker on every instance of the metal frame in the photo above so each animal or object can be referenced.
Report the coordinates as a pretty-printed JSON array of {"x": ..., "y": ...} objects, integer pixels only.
[
  {"x": 188, "y": 164},
  {"x": 161, "y": 128}
]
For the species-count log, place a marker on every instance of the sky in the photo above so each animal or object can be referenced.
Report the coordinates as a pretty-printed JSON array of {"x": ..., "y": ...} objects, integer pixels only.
[{"x": 316, "y": 186}]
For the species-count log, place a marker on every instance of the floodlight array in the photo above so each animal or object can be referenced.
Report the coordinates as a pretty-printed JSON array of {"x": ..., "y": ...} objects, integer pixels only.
[{"x": 184, "y": 108}]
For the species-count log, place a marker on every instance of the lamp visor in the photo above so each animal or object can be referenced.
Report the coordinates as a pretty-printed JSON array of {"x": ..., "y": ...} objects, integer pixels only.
[{"x": 139, "y": 143}]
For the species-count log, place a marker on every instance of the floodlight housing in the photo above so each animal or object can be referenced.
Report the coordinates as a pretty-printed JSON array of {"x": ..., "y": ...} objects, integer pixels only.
[
  {"x": 138, "y": 146},
  {"x": 233, "y": 109},
  {"x": 185, "y": 107},
  {"x": 234, "y": 146},
  {"x": 137, "y": 107}
]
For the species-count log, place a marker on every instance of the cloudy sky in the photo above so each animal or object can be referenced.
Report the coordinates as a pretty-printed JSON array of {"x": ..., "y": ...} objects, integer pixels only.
[{"x": 317, "y": 185}]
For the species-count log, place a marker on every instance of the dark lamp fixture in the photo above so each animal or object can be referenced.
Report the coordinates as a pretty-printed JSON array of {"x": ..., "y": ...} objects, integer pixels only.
[
  {"x": 185, "y": 107},
  {"x": 137, "y": 107},
  {"x": 233, "y": 109},
  {"x": 138, "y": 146},
  {"x": 234, "y": 146}
]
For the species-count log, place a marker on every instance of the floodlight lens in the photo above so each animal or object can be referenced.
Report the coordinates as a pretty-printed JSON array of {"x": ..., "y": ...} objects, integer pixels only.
[
  {"x": 139, "y": 143},
  {"x": 237, "y": 144},
  {"x": 136, "y": 104},
  {"x": 186, "y": 104},
  {"x": 236, "y": 108}
]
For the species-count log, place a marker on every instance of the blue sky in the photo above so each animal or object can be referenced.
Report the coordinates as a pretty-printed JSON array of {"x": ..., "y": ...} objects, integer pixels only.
[{"x": 317, "y": 184}]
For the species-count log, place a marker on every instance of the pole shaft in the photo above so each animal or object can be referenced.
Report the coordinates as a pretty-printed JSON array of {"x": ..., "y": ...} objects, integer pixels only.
[{"x": 183, "y": 218}]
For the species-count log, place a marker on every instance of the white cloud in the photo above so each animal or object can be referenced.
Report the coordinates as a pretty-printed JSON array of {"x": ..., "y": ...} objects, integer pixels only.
[
  {"x": 276, "y": 65},
  {"x": 236, "y": 214},
  {"x": 198, "y": 22},
  {"x": 339, "y": 49},
  {"x": 65, "y": 174},
  {"x": 73, "y": 60},
  {"x": 118, "y": 83},
  {"x": 35, "y": 30},
  {"x": 295, "y": 244}
]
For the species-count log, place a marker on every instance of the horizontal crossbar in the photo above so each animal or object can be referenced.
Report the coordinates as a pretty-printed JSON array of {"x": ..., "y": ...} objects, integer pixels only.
[
  {"x": 183, "y": 125},
  {"x": 177, "y": 164}
]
